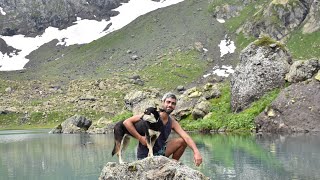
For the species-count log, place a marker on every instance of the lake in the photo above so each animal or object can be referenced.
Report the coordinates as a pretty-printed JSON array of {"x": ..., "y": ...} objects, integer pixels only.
[{"x": 35, "y": 154}]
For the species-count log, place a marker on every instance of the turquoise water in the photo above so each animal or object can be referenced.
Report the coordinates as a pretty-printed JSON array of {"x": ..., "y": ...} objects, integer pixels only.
[{"x": 35, "y": 154}]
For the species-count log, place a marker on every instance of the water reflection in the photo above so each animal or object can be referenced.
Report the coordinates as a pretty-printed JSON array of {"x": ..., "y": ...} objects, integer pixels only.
[{"x": 39, "y": 155}]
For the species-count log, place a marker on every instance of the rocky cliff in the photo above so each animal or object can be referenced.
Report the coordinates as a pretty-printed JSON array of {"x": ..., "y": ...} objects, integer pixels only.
[
  {"x": 33, "y": 17},
  {"x": 277, "y": 18}
]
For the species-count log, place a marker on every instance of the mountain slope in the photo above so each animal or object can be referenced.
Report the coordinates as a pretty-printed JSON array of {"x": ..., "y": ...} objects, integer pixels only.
[{"x": 159, "y": 33}]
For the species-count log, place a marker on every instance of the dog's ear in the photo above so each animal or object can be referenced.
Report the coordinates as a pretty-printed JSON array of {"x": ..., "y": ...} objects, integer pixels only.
[
  {"x": 155, "y": 113},
  {"x": 148, "y": 111}
]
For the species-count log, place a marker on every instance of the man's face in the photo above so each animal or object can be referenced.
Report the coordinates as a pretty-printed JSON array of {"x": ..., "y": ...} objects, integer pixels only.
[{"x": 169, "y": 105}]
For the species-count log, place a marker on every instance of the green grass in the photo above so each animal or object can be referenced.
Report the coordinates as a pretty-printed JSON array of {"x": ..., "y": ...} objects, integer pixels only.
[
  {"x": 42, "y": 119},
  {"x": 222, "y": 116},
  {"x": 266, "y": 41},
  {"x": 234, "y": 23},
  {"x": 242, "y": 41},
  {"x": 304, "y": 46},
  {"x": 9, "y": 120},
  {"x": 179, "y": 69}
]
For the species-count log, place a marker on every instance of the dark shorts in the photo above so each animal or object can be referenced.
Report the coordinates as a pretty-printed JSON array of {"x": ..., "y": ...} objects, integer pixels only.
[{"x": 161, "y": 152}]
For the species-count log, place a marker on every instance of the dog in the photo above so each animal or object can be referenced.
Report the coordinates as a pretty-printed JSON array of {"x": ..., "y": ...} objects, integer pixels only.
[{"x": 149, "y": 125}]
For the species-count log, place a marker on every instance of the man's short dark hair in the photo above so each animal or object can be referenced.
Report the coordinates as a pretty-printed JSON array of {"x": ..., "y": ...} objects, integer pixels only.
[{"x": 168, "y": 95}]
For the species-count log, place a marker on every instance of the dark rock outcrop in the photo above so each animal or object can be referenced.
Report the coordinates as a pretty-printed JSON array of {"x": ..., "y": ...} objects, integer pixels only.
[
  {"x": 5, "y": 49},
  {"x": 158, "y": 167},
  {"x": 296, "y": 109},
  {"x": 33, "y": 17},
  {"x": 262, "y": 68}
]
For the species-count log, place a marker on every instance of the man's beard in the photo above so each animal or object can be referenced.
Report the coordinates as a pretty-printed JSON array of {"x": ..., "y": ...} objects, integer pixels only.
[{"x": 168, "y": 111}]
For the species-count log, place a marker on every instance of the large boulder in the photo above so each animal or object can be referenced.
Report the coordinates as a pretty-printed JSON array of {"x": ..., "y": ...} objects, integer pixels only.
[
  {"x": 102, "y": 126},
  {"x": 303, "y": 70},
  {"x": 138, "y": 101},
  {"x": 158, "y": 167},
  {"x": 201, "y": 109},
  {"x": 262, "y": 67},
  {"x": 74, "y": 124},
  {"x": 194, "y": 102},
  {"x": 296, "y": 109}
]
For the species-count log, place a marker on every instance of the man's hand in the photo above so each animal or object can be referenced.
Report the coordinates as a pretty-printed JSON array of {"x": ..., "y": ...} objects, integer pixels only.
[
  {"x": 143, "y": 140},
  {"x": 197, "y": 158}
]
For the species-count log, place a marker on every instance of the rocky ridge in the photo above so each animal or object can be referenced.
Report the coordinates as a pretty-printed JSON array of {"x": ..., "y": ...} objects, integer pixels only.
[
  {"x": 33, "y": 17},
  {"x": 277, "y": 18}
]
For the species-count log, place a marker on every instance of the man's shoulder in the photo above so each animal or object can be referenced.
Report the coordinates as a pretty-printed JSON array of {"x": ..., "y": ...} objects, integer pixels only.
[{"x": 174, "y": 122}]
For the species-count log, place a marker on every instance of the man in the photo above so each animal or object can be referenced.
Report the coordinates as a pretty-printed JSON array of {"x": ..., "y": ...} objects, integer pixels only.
[{"x": 174, "y": 147}]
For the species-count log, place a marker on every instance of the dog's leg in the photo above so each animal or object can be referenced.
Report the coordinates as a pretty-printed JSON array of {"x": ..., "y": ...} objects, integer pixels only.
[
  {"x": 154, "y": 138},
  {"x": 124, "y": 144},
  {"x": 151, "y": 140},
  {"x": 150, "y": 146}
]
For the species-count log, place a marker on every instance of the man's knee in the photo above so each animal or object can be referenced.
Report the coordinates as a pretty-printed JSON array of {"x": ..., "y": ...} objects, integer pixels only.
[{"x": 182, "y": 142}]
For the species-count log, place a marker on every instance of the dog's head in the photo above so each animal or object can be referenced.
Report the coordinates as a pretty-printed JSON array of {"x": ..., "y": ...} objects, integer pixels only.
[{"x": 151, "y": 115}]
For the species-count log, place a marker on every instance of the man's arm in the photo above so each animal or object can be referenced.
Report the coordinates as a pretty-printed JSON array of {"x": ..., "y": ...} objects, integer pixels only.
[
  {"x": 129, "y": 124},
  {"x": 185, "y": 136}
]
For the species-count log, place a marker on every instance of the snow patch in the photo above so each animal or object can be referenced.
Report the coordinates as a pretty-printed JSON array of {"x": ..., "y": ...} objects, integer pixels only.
[
  {"x": 226, "y": 46},
  {"x": 221, "y": 20},
  {"x": 224, "y": 71},
  {"x": 2, "y": 12}
]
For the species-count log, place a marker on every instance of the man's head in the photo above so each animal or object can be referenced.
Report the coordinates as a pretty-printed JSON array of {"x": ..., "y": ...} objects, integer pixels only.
[{"x": 169, "y": 102}]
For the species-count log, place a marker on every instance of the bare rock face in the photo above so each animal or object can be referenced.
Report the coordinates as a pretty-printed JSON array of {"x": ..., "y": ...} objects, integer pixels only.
[
  {"x": 278, "y": 18},
  {"x": 296, "y": 109},
  {"x": 312, "y": 22},
  {"x": 158, "y": 167},
  {"x": 33, "y": 17},
  {"x": 262, "y": 68}
]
